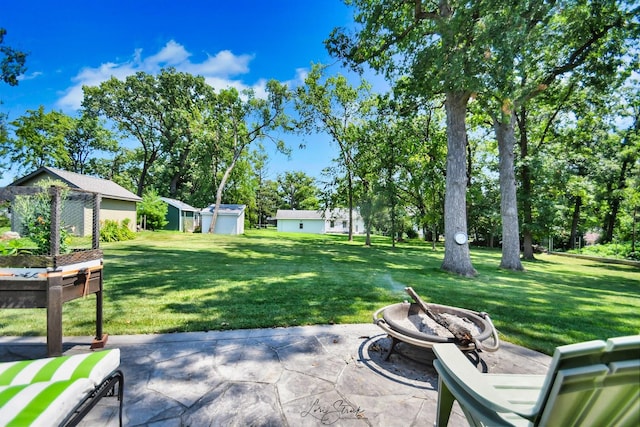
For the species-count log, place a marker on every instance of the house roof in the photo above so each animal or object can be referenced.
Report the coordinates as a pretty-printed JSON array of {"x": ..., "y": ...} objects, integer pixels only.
[
  {"x": 298, "y": 214},
  {"x": 93, "y": 184},
  {"x": 337, "y": 214},
  {"x": 180, "y": 205},
  {"x": 225, "y": 209}
]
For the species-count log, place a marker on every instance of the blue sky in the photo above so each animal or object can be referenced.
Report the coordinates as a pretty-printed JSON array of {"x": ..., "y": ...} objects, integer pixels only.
[{"x": 239, "y": 43}]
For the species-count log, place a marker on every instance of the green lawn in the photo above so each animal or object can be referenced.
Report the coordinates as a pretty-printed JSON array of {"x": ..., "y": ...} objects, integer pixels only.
[{"x": 167, "y": 282}]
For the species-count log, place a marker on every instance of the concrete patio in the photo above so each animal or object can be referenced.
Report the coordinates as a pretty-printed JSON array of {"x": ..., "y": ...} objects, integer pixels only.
[{"x": 301, "y": 376}]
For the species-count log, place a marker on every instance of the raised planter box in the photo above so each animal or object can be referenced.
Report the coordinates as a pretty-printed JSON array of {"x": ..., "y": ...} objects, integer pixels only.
[
  {"x": 48, "y": 281},
  {"x": 50, "y": 287}
]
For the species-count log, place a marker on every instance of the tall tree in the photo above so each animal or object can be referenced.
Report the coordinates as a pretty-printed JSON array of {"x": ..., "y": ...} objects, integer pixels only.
[
  {"x": 57, "y": 140},
  {"x": 238, "y": 121},
  {"x": 367, "y": 170},
  {"x": 585, "y": 37},
  {"x": 133, "y": 105},
  {"x": 162, "y": 113},
  {"x": 463, "y": 48},
  {"x": 12, "y": 65},
  {"x": 40, "y": 140},
  {"x": 297, "y": 190},
  {"x": 265, "y": 189},
  {"x": 12, "y": 62},
  {"x": 422, "y": 164},
  {"x": 121, "y": 167},
  {"x": 624, "y": 156},
  {"x": 84, "y": 140},
  {"x": 182, "y": 100},
  {"x": 433, "y": 45},
  {"x": 334, "y": 107}
]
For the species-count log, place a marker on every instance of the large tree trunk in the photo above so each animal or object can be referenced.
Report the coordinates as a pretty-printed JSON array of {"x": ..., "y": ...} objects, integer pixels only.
[
  {"x": 614, "y": 203},
  {"x": 525, "y": 189},
  {"x": 456, "y": 256},
  {"x": 634, "y": 228},
  {"x": 508, "y": 202},
  {"x": 223, "y": 182},
  {"x": 574, "y": 222},
  {"x": 350, "y": 183}
]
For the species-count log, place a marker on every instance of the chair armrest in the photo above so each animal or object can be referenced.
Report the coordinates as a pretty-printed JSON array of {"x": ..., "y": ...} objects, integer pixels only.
[{"x": 453, "y": 366}]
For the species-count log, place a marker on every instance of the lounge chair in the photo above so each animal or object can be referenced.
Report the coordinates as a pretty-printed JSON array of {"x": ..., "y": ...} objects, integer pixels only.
[
  {"x": 593, "y": 383},
  {"x": 58, "y": 391}
]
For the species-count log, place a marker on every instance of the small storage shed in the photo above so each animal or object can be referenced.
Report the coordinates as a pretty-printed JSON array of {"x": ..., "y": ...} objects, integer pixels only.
[
  {"x": 300, "y": 221},
  {"x": 117, "y": 203},
  {"x": 180, "y": 216},
  {"x": 230, "y": 219}
]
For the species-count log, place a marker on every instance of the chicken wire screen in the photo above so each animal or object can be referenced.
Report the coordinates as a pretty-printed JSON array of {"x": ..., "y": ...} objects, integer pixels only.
[{"x": 51, "y": 220}]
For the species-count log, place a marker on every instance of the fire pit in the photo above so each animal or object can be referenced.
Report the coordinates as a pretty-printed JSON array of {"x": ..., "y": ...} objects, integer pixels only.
[{"x": 407, "y": 322}]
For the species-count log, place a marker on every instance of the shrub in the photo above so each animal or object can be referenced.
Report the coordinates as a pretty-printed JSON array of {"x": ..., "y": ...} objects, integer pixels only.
[
  {"x": 12, "y": 247},
  {"x": 112, "y": 231},
  {"x": 154, "y": 210},
  {"x": 609, "y": 250}
]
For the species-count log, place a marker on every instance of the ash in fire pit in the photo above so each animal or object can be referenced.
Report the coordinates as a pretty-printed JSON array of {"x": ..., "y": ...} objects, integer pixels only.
[{"x": 427, "y": 325}]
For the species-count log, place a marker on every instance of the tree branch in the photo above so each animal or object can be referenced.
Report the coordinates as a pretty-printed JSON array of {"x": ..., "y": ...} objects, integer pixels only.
[
  {"x": 419, "y": 16},
  {"x": 577, "y": 58}
]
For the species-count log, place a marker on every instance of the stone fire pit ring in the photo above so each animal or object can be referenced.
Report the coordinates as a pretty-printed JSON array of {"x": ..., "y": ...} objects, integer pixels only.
[{"x": 393, "y": 319}]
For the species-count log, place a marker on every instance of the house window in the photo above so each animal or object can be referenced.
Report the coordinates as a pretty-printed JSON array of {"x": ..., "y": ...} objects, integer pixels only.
[
  {"x": 344, "y": 225},
  {"x": 332, "y": 223},
  {"x": 301, "y": 226}
]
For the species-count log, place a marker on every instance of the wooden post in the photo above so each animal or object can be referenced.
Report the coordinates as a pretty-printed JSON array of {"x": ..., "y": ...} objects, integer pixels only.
[
  {"x": 54, "y": 243},
  {"x": 54, "y": 314},
  {"x": 97, "y": 199},
  {"x": 101, "y": 338}
]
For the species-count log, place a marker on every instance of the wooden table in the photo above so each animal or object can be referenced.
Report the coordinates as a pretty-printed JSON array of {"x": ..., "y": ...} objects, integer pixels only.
[{"x": 50, "y": 288}]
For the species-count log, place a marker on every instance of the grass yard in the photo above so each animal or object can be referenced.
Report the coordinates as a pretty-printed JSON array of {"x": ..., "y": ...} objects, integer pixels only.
[{"x": 166, "y": 282}]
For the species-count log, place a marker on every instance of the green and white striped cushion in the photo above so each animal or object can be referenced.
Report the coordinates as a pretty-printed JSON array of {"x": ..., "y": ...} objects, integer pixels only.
[
  {"x": 94, "y": 366},
  {"x": 43, "y": 404}
]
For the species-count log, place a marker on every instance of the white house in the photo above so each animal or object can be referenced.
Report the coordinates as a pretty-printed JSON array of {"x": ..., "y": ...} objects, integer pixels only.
[
  {"x": 230, "y": 219},
  {"x": 337, "y": 221},
  {"x": 300, "y": 221},
  {"x": 317, "y": 222}
]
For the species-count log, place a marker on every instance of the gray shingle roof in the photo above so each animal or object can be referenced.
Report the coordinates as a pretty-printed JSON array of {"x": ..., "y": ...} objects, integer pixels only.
[
  {"x": 104, "y": 187},
  {"x": 180, "y": 205},
  {"x": 336, "y": 214},
  {"x": 298, "y": 214}
]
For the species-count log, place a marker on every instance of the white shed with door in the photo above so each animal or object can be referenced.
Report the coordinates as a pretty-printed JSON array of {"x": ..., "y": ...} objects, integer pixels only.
[{"x": 230, "y": 219}]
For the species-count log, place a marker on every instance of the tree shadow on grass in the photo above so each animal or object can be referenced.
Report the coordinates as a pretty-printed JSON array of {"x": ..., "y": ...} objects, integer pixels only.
[{"x": 195, "y": 284}]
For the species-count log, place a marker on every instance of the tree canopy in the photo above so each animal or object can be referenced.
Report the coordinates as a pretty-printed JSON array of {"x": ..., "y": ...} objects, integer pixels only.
[{"x": 515, "y": 124}]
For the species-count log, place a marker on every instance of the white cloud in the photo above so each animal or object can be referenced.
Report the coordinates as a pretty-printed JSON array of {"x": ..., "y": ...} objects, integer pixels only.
[
  {"x": 217, "y": 70},
  {"x": 223, "y": 64},
  {"x": 29, "y": 76},
  {"x": 173, "y": 54},
  {"x": 298, "y": 80}
]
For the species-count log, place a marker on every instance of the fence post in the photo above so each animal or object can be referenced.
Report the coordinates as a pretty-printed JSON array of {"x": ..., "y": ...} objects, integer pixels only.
[{"x": 54, "y": 237}]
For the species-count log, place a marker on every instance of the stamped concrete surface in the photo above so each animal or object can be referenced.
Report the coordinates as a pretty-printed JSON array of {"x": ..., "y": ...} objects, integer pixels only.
[{"x": 302, "y": 376}]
